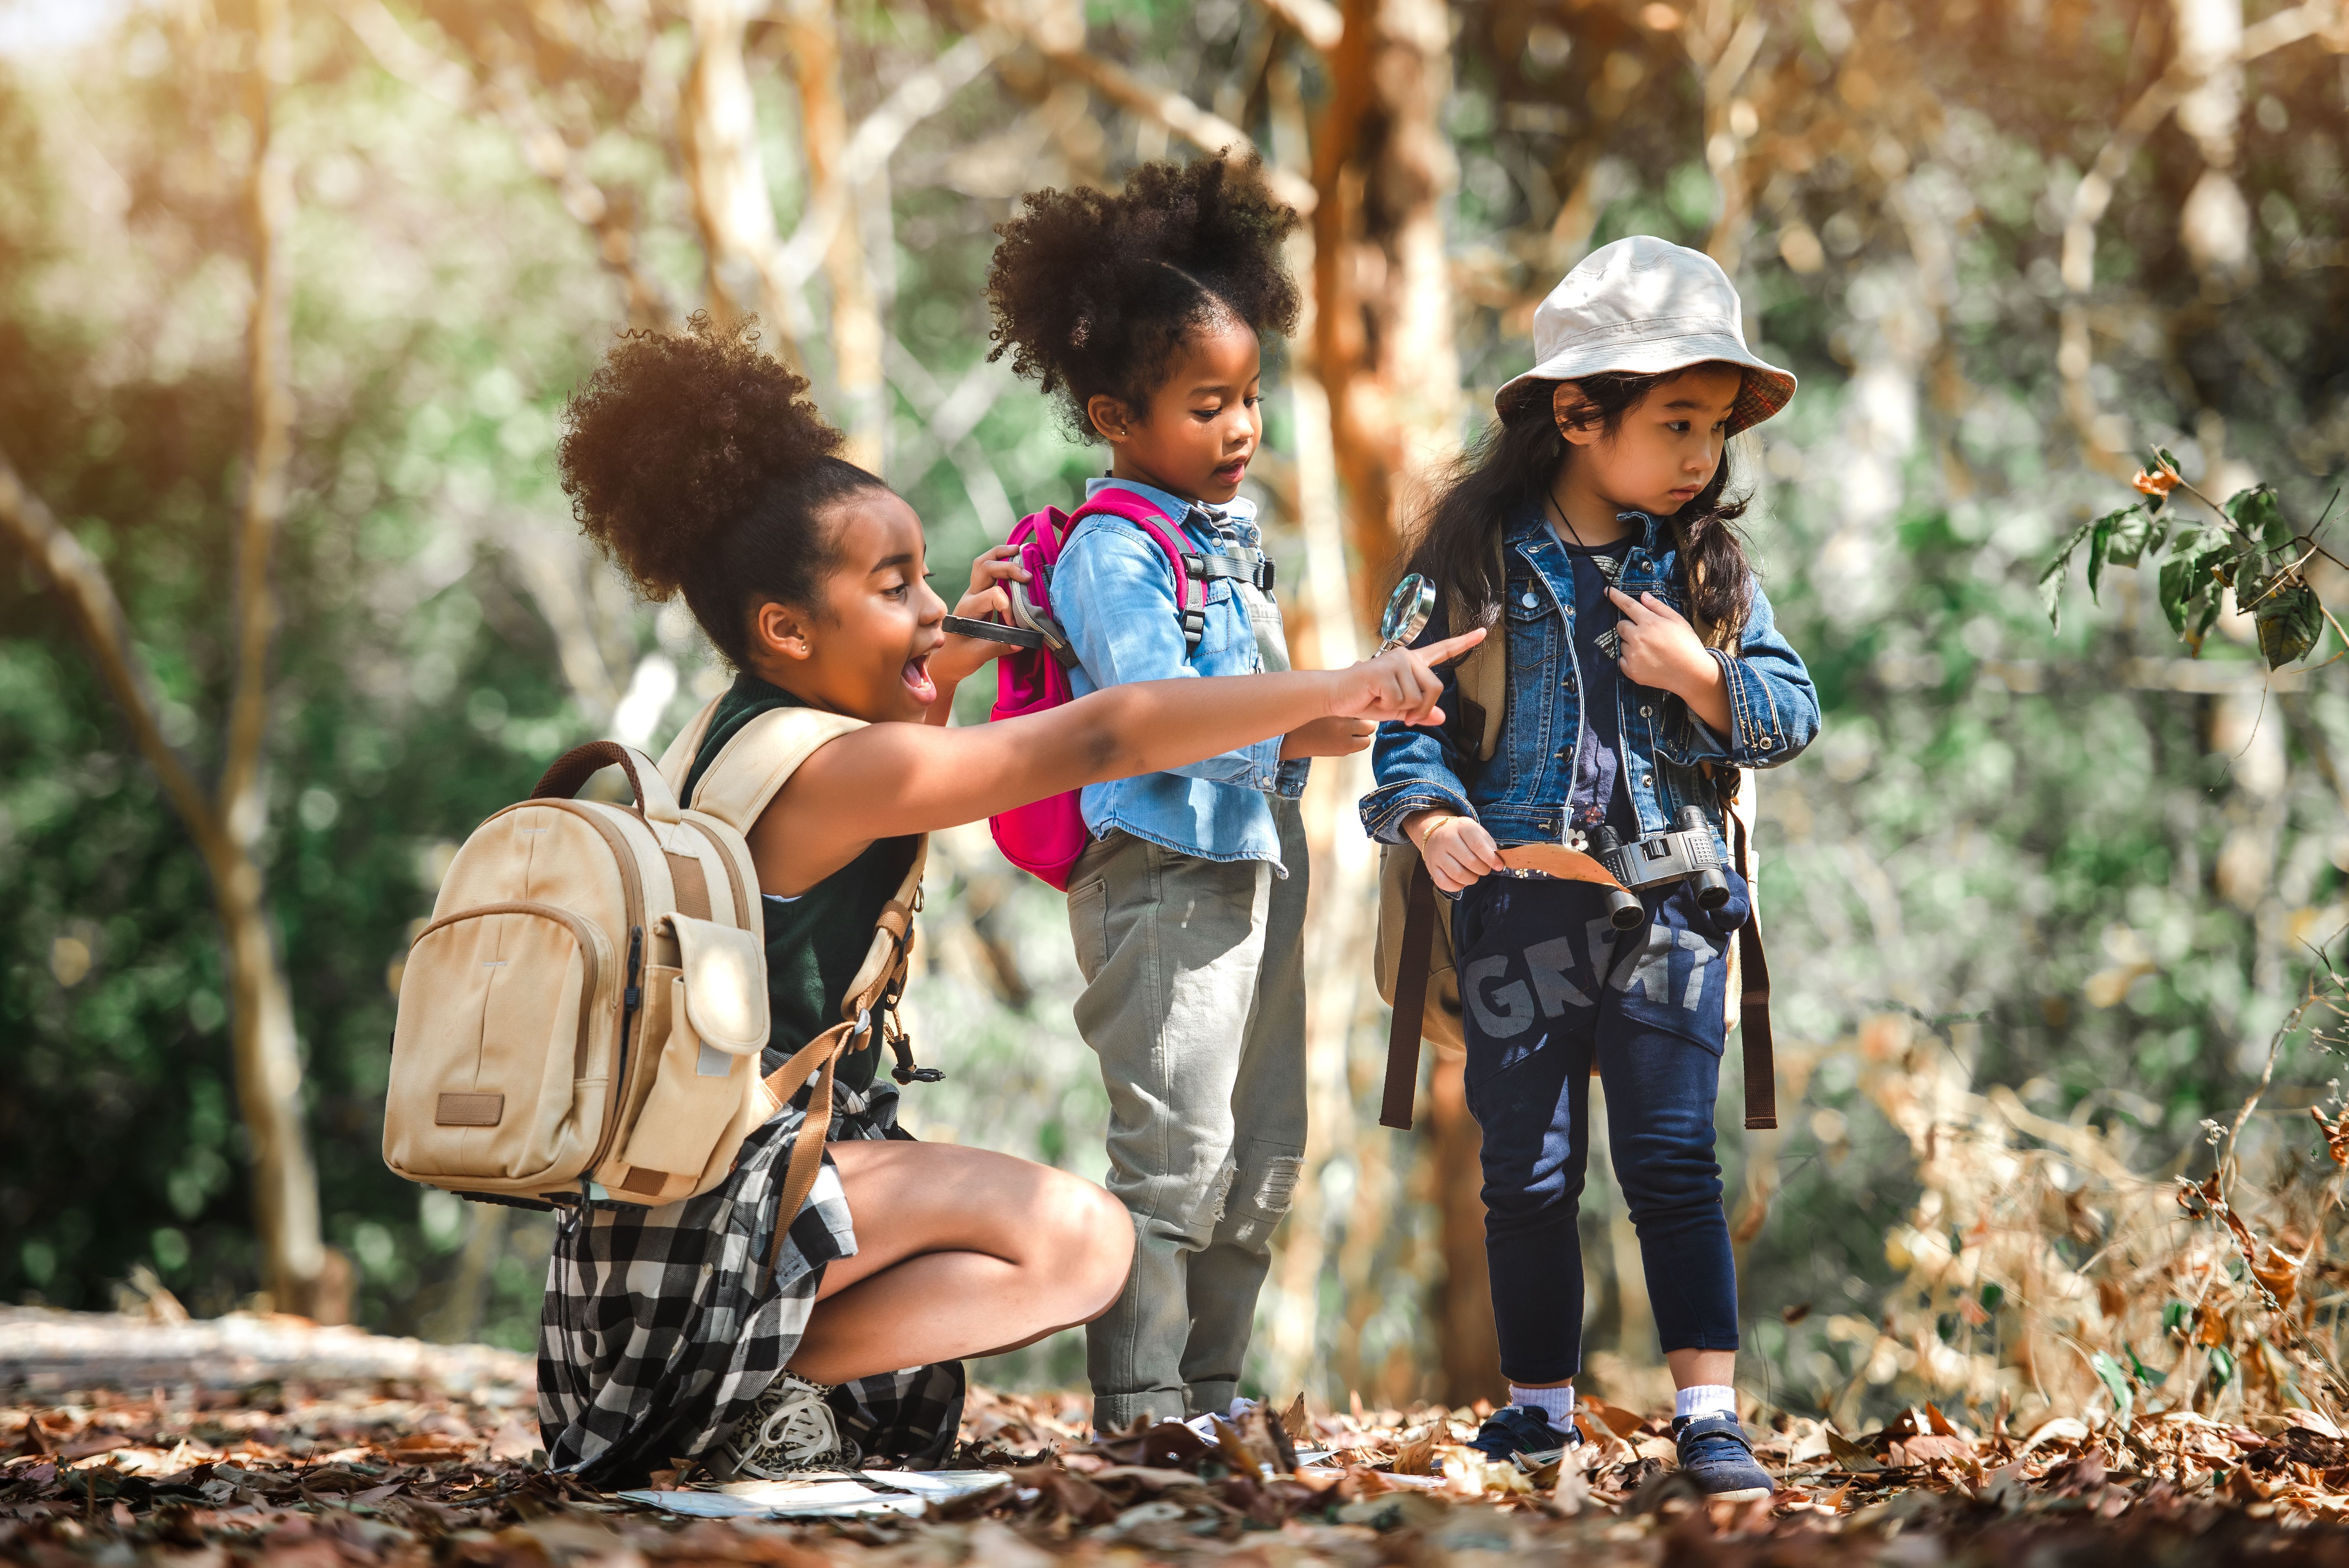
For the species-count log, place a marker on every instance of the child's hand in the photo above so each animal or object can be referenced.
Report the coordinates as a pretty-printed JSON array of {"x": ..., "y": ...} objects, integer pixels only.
[
  {"x": 961, "y": 657},
  {"x": 1457, "y": 850},
  {"x": 1327, "y": 738},
  {"x": 1661, "y": 649},
  {"x": 1400, "y": 685}
]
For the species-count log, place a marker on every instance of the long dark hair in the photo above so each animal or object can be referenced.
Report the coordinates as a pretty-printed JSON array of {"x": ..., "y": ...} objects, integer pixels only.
[{"x": 1508, "y": 472}]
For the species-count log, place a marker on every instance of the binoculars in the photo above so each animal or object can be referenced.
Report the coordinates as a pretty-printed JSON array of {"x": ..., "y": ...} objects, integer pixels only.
[{"x": 1677, "y": 854}]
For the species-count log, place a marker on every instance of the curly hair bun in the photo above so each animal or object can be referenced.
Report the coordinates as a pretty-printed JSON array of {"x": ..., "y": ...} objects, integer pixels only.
[
  {"x": 1094, "y": 293},
  {"x": 676, "y": 439}
]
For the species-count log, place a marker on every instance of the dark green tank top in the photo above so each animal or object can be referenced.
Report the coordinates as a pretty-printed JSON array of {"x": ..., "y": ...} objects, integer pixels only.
[{"x": 815, "y": 942}]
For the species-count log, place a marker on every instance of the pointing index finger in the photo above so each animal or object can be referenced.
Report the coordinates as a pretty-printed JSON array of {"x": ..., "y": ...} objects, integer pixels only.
[
  {"x": 1450, "y": 648},
  {"x": 1630, "y": 607}
]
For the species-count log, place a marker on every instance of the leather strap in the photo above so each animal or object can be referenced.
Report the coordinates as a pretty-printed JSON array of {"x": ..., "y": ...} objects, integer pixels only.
[
  {"x": 1754, "y": 1009},
  {"x": 1410, "y": 1000},
  {"x": 565, "y": 775},
  {"x": 815, "y": 1059}
]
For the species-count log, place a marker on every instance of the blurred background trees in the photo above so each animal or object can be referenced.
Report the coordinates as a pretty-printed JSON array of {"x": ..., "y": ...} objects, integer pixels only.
[{"x": 2008, "y": 244}]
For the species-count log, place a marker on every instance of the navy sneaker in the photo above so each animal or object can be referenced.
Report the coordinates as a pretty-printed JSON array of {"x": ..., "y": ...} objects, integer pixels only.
[
  {"x": 1522, "y": 1429},
  {"x": 1715, "y": 1455}
]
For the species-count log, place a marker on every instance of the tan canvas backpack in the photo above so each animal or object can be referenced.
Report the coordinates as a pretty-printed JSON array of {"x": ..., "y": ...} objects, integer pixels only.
[
  {"x": 589, "y": 1000},
  {"x": 1412, "y": 954}
]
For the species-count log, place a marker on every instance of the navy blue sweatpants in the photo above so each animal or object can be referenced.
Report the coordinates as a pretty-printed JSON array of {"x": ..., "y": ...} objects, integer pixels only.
[{"x": 1549, "y": 988}]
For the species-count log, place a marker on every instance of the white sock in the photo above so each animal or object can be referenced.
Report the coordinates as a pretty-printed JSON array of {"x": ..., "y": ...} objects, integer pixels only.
[
  {"x": 1705, "y": 1400},
  {"x": 1557, "y": 1404}
]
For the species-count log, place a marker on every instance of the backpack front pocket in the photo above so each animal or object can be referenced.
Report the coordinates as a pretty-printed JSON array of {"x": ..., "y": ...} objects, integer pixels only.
[
  {"x": 715, "y": 1003},
  {"x": 493, "y": 1070}
]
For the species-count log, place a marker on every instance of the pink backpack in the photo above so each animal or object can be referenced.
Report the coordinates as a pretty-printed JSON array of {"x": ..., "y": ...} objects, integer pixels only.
[{"x": 1047, "y": 836}]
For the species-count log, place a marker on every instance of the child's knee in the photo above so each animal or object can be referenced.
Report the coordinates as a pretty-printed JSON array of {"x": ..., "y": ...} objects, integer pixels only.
[
  {"x": 1529, "y": 1199},
  {"x": 1093, "y": 1246},
  {"x": 1661, "y": 1179},
  {"x": 1258, "y": 1192}
]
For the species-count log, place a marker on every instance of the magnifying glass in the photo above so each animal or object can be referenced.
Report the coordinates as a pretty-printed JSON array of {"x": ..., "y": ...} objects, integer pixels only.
[{"x": 1407, "y": 613}]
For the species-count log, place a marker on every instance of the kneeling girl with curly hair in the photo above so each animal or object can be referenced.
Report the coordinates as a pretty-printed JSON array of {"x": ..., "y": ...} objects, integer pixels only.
[{"x": 713, "y": 1328}]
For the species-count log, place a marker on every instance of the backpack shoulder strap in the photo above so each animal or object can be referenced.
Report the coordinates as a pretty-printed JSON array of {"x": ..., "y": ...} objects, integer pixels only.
[
  {"x": 760, "y": 760},
  {"x": 1183, "y": 558},
  {"x": 1483, "y": 672},
  {"x": 677, "y": 762}
]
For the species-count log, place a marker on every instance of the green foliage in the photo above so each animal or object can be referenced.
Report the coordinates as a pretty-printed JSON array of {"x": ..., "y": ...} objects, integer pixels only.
[{"x": 2255, "y": 553}]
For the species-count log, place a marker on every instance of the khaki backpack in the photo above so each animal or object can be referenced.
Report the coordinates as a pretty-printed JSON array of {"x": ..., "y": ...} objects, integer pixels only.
[
  {"x": 1424, "y": 991},
  {"x": 589, "y": 1000}
]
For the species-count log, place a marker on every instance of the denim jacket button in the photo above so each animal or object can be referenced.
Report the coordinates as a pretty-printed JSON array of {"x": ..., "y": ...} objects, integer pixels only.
[
  {"x": 1646, "y": 712},
  {"x": 1528, "y": 600},
  {"x": 1763, "y": 743}
]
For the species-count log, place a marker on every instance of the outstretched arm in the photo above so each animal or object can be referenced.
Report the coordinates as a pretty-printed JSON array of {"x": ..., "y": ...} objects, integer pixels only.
[{"x": 892, "y": 779}]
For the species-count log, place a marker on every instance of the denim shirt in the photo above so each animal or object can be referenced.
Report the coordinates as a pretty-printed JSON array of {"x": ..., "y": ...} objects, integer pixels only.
[
  {"x": 1113, "y": 591},
  {"x": 1520, "y": 795}
]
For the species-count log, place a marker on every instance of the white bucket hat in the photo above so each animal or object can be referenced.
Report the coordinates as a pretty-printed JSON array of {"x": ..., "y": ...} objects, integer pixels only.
[{"x": 1646, "y": 305}]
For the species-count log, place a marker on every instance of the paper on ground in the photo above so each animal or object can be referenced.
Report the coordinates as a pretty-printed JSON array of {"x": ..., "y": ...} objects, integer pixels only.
[{"x": 826, "y": 1495}]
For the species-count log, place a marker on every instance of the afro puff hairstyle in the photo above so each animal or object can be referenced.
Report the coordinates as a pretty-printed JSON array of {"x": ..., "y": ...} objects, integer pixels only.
[
  {"x": 697, "y": 462},
  {"x": 1093, "y": 293}
]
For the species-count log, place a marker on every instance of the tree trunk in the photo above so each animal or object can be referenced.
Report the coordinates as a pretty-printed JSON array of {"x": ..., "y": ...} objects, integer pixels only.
[
  {"x": 718, "y": 135},
  {"x": 1383, "y": 346},
  {"x": 1383, "y": 168},
  {"x": 813, "y": 27},
  {"x": 261, "y": 1013}
]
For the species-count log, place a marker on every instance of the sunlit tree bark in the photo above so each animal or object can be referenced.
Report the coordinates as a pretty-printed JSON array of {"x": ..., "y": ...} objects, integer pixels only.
[{"x": 811, "y": 28}]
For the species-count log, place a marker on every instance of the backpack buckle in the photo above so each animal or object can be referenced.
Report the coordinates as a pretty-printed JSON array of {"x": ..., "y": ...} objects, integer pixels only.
[{"x": 1264, "y": 574}]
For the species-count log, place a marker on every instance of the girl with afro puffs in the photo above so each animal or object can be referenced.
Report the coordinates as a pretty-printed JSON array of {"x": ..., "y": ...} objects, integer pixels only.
[{"x": 1142, "y": 312}]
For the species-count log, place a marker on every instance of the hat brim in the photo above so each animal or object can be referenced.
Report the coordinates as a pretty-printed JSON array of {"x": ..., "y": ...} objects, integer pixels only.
[{"x": 1766, "y": 387}]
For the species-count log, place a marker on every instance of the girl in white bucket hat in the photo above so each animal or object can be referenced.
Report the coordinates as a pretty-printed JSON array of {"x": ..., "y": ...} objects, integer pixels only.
[{"x": 1594, "y": 531}]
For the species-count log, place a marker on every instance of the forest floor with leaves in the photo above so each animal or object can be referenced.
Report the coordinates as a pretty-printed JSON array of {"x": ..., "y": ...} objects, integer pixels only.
[{"x": 377, "y": 1470}]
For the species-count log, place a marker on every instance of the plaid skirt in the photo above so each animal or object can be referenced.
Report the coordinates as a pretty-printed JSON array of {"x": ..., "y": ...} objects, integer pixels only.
[{"x": 656, "y": 1337}]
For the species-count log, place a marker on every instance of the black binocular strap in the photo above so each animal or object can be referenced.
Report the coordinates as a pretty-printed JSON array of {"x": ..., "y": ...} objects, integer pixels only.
[
  {"x": 1754, "y": 1007},
  {"x": 1409, "y": 1000}
]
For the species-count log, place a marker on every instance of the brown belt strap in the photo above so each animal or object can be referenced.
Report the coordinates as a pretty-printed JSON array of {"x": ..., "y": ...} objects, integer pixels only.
[
  {"x": 1754, "y": 1009},
  {"x": 1410, "y": 1000},
  {"x": 814, "y": 1061}
]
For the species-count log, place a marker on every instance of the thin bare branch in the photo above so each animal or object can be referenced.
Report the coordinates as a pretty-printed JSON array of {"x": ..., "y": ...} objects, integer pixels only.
[
  {"x": 89, "y": 600},
  {"x": 608, "y": 211},
  {"x": 2090, "y": 198},
  {"x": 878, "y": 136},
  {"x": 1317, "y": 22},
  {"x": 949, "y": 418},
  {"x": 1203, "y": 128}
]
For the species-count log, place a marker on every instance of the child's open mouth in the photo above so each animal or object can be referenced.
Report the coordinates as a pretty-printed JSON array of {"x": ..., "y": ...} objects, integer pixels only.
[
  {"x": 917, "y": 680},
  {"x": 1231, "y": 472}
]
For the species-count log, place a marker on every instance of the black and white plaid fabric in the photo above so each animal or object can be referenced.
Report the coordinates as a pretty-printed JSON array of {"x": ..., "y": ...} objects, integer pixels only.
[
  {"x": 654, "y": 1338},
  {"x": 910, "y": 1416}
]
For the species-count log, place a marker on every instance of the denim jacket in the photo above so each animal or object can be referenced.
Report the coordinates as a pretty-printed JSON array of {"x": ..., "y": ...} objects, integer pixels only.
[
  {"x": 1113, "y": 591},
  {"x": 1520, "y": 795}
]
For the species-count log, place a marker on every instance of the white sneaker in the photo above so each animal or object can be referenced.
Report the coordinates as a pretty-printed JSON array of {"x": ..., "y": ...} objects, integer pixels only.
[
  {"x": 1205, "y": 1425},
  {"x": 788, "y": 1428}
]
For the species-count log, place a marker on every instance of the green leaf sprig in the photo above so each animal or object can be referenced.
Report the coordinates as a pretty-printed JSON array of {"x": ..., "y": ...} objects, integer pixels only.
[{"x": 2254, "y": 550}]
